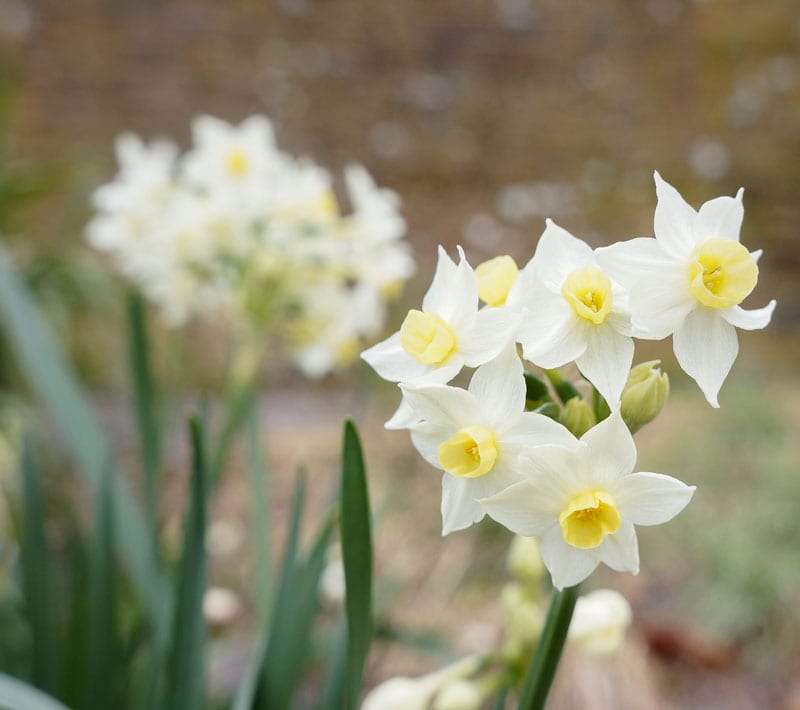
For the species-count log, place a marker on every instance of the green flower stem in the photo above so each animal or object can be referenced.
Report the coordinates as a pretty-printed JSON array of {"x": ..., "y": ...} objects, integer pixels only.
[
  {"x": 548, "y": 651},
  {"x": 564, "y": 388}
]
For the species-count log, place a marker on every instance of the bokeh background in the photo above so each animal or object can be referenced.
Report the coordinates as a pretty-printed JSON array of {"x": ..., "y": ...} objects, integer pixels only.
[{"x": 487, "y": 116}]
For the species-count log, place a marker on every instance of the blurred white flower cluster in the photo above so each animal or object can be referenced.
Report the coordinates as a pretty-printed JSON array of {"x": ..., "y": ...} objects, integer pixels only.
[{"x": 239, "y": 228}]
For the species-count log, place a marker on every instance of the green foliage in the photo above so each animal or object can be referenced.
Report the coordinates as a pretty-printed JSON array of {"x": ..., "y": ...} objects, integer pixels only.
[{"x": 98, "y": 616}]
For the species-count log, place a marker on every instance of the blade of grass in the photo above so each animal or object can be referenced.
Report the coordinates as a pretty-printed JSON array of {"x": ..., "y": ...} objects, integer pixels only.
[
  {"x": 237, "y": 405},
  {"x": 145, "y": 401},
  {"x": 16, "y": 695},
  {"x": 357, "y": 558},
  {"x": 51, "y": 379},
  {"x": 36, "y": 573},
  {"x": 260, "y": 515},
  {"x": 184, "y": 680},
  {"x": 100, "y": 656}
]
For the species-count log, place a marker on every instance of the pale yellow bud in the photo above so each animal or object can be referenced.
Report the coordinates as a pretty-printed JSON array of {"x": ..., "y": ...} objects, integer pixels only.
[
  {"x": 644, "y": 395},
  {"x": 578, "y": 416},
  {"x": 525, "y": 560},
  {"x": 495, "y": 279},
  {"x": 524, "y": 619},
  {"x": 458, "y": 695}
]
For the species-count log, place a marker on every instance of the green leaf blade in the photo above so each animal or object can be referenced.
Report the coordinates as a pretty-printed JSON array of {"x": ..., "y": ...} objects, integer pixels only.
[{"x": 356, "y": 538}]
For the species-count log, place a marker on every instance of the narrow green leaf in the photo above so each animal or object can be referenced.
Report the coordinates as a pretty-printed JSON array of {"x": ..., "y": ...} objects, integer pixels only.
[
  {"x": 356, "y": 539},
  {"x": 564, "y": 388},
  {"x": 238, "y": 404},
  {"x": 100, "y": 666},
  {"x": 332, "y": 694},
  {"x": 184, "y": 681},
  {"x": 49, "y": 376},
  {"x": 36, "y": 573},
  {"x": 259, "y": 516},
  {"x": 293, "y": 617},
  {"x": 16, "y": 695},
  {"x": 145, "y": 402},
  {"x": 601, "y": 409},
  {"x": 535, "y": 389},
  {"x": 246, "y": 692}
]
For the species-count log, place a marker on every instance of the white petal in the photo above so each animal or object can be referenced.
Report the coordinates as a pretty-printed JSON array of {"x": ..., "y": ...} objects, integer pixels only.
[
  {"x": 720, "y": 218},
  {"x": 533, "y": 429},
  {"x": 629, "y": 262},
  {"x": 610, "y": 449},
  {"x": 392, "y": 362},
  {"x": 459, "y": 507},
  {"x": 553, "y": 336},
  {"x": 660, "y": 303},
  {"x": 749, "y": 320},
  {"x": 674, "y": 220},
  {"x": 437, "y": 297},
  {"x": 706, "y": 346},
  {"x": 568, "y": 565},
  {"x": 558, "y": 254},
  {"x": 442, "y": 405},
  {"x": 492, "y": 331},
  {"x": 607, "y": 362},
  {"x": 403, "y": 418},
  {"x": 462, "y": 297},
  {"x": 521, "y": 509},
  {"x": 620, "y": 551},
  {"x": 651, "y": 498},
  {"x": 427, "y": 440},
  {"x": 499, "y": 386},
  {"x": 557, "y": 472}
]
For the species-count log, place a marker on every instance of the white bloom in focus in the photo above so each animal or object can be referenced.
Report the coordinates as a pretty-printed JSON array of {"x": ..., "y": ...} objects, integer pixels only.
[
  {"x": 574, "y": 311},
  {"x": 449, "y": 332},
  {"x": 583, "y": 502},
  {"x": 477, "y": 435},
  {"x": 689, "y": 281},
  {"x": 600, "y": 621}
]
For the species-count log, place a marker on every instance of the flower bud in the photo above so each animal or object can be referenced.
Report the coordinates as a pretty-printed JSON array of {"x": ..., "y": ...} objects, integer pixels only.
[
  {"x": 600, "y": 621},
  {"x": 644, "y": 395},
  {"x": 524, "y": 559},
  {"x": 524, "y": 620},
  {"x": 458, "y": 695},
  {"x": 495, "y": 279},
  {"x": 578, "y": 416}
]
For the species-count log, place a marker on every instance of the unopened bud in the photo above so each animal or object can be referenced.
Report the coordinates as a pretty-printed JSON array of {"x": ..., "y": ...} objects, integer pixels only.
[
  {"x": 578, "y": 416},
  {"x": 600, "y": 621},
  {"x": 644, "y": 395},
  {"x": 458, "y": 695},
  {"x": 525, "y": 560},
  {"x": 495, "y": 279}
]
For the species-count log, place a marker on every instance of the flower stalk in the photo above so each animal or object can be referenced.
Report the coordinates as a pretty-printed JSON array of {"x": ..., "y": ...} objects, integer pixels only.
[{"x": 548, "y": 651}]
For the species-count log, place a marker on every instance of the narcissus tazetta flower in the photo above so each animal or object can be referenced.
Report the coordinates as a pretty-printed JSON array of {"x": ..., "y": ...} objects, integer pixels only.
[
  {"x": 434, "y": 343},
  {"x": 583, "y": 502},
  {"x": 574, "y": 311},
  {"x": 689, "y": 281},
  {"x": 477, "y": 435}
]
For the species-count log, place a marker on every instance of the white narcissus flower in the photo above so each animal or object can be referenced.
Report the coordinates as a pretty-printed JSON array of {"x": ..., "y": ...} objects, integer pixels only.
[
  {"x": 477, "y": 435},
  {"x": 434, "y": 343},
  {"x": 689, "y": 281},
  {"x": 404, "y": 693},
  {"x": 574, "y": 311},
  {"x": 583, "y": 502},
  {"x": 600, "y": 621}
]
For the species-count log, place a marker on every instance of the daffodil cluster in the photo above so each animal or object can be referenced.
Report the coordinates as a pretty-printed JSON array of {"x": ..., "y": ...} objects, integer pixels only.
[
  {"x": 237, "y": 227},
  {"x": 544, "y": 461}
]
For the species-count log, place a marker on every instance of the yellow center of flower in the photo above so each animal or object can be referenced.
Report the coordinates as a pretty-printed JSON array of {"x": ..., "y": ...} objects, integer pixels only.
[
  {"x": 588, "y": 291},
  {"x": 426, "y": 337},
  {"x": 469, "y": 453},
  {"x": 237, "y": 163},
  {"x": 722, "y": 273},
  {"x": 327, "y": 205},
  {"x": 495, "y": 279},
  {"x": 588, "y": 518}
]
